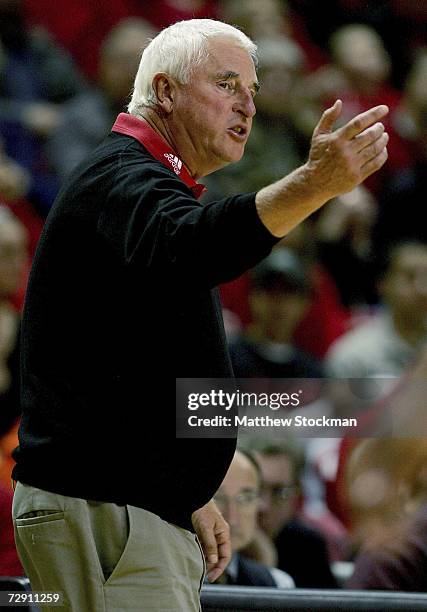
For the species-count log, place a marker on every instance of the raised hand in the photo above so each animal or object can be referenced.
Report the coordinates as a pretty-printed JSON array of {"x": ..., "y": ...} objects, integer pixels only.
[{"x": 341, "y": 159}]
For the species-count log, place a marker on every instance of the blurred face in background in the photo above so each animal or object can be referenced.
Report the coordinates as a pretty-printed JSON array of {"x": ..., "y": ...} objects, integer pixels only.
[
  {"x": 276, "y": 312},
  {"x": 360, "y": 51},
  {"x": 404, "y": 287},
  {"x": 238, "y": 500},
  {"x": 279, "y": 492},
  {"x": 281, "y": 66},
  {"x": 415, "y": 101},
  {"x": 258, "y": 19},
  {"x": 119, "y": 60}
]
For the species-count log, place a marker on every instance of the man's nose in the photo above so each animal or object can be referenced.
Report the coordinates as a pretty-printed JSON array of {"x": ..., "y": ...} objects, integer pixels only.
[{"x": 245, "y": 104}]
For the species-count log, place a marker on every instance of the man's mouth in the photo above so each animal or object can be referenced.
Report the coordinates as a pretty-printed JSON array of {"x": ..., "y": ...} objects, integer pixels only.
[{"x": 238, "y": 131}]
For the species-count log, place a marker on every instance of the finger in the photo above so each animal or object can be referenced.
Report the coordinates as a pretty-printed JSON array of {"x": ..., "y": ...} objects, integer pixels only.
[
  {"x": 364, "y": 120},
  {"x": 209, "y": 546},
  {"x": 224, "y": 556},
  {"x": 372, "y": 150},
  {"x": 211, "y": 537},
  {"x": 374, "y": 164},
  {"x": 368, "y": 136},
  {"x": 328, "y": 119}
]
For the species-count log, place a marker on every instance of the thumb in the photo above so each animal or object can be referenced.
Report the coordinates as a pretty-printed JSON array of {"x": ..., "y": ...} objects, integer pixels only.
[{"x": 328, "y": 119}]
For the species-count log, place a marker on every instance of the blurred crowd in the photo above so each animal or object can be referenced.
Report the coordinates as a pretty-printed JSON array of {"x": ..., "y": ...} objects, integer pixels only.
[{"x": 344, "y": 296}]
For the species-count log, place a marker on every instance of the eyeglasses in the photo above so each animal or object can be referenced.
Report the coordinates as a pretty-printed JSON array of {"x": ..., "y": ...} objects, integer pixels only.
[
  {"x": 244, "y": 500},
  {"x": 279, "y": 493}
]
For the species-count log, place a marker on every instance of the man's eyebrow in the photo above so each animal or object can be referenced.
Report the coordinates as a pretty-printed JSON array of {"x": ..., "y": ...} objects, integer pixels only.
[{"x": 230, "y": 74}]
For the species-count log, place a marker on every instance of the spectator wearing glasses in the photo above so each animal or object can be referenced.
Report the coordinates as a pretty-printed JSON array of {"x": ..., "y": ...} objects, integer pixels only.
[
  {"x": 238, "y": 500},
  {"x": 301, "y": 550}
]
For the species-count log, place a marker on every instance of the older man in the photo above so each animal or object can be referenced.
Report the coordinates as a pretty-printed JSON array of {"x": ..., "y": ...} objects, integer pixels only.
[
  {"x": 121, "y": 301},
  {"x": 238, "y": 499}
]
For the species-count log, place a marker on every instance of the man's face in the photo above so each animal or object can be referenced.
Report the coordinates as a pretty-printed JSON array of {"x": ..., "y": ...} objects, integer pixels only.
[
  {"x": 279, "y": 493},
  {"x": 277, "y": 313},
  {"x": 212, "y": 114},
  {"x": 405, "y": 285},
  {"x": 363, "y": 55},
  {"x": 118, "y": 65},
  {"x": 237, "y": 498}
]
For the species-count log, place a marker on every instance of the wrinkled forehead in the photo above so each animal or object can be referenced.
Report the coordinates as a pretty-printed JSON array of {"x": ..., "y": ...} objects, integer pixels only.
[{"x": 224, "y": 54}]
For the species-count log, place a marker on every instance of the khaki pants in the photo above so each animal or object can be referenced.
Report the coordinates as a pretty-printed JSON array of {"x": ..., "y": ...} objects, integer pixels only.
[{"x": 104, "y": 557}]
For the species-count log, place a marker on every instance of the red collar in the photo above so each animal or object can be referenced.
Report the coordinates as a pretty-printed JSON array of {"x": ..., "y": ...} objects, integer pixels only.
[{"x": 159, "y": 148}]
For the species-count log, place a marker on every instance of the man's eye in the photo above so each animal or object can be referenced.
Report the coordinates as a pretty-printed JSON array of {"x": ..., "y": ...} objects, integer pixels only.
[{"x": 226, "y": 85}]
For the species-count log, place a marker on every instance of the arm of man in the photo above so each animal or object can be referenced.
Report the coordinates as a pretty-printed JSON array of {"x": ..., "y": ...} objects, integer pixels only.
[
  {"x": 339, "y": 160},
  {"x": 214, "y": 535}
]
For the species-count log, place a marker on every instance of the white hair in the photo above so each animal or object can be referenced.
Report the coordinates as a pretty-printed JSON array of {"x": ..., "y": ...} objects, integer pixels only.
[{"x": 176, "y": 51}]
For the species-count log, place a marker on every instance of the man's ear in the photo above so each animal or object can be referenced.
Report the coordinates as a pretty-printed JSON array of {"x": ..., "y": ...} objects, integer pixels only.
[{"x": 164, "y": 88}]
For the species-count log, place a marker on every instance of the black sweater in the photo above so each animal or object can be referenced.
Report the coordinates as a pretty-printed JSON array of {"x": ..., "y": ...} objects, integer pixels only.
[{"x": 121, "y": 301}]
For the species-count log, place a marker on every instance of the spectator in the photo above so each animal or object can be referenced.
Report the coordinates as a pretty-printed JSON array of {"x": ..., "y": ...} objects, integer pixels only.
[
  {"x": 387, "y": 343},
  {"x": 14, "y": 182},
  {"x": 12, "y": 260},
  {"x": 408, "y": 186},
  {"x": 326, "y": 318},
  {"x": 279, "y": 296},
  {"x": 396, "y": 408},
  {"x": 238, "y": 500},
  {"x": 359, "y": 75},
  {"x": 397, "y": 562},
  {"x": 266, "y": 21},
  {"x": 88, "y": 117},
  {"x": 344, "y": 232},
  {"x": 87, "y": 23},
  {"x": 13, "y": 257},
  {"x": 36, "y": 76},
  {"x": 387, "y": 482},
  {"x": 272, "y": 19},
  {"x": 301, "y": 550},
  {"x": 411, "y": 120}
]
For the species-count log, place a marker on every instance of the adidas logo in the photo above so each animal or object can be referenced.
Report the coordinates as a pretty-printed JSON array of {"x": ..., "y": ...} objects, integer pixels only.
[{"x": 175, "y": 161}]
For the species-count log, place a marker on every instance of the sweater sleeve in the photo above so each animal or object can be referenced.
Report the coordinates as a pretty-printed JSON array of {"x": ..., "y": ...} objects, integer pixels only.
[{"x": 153, "y": 221}]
